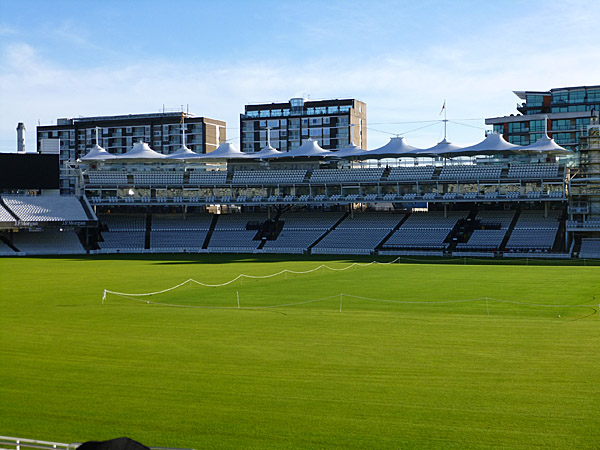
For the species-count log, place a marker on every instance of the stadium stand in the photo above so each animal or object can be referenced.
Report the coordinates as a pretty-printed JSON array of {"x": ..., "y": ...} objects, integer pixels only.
[
  {"x": 161, "y": 178},
  {"x": 411, "y": 173},
  {"x": 424, "y": 230},
  {"x": 268, "y": 176},
  {"x": 176, "y": 232},
  {"x": 100, "y": 177},
  {"x": 359, "y": 234},
  {"x": 5, "y": 216},
  {"x": 346, "y": 175},
  {"x": 301, "y": 230},
  {"x": 51, "y": 208},
  {"x": 534, "y": 232},
  {"x": 465, "y": 172},
  {"x": 541, "y": 170},
  {"x": 126, "y": 232},
  {"x": 488, "y": 238},
  {"x": 209, "y": 178},
  {"x": 590, "y": 248},
  {"x": 48, "y": 242},
  {"x": 231, "y": 236},
  {"x": 5, "y": 250}
]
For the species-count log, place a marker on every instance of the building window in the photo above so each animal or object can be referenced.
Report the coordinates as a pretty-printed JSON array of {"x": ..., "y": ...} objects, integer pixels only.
[
  {"x": 326, "y": 120},
  {"x": 577, "y": 96},
  {"x": 537, "y": 125},
  {"x": 273, "y": 123},
  {"x": 534, "y": 100}
]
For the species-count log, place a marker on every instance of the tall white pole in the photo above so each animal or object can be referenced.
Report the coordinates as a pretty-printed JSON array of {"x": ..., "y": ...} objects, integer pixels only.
[
  {"x": 238, "y": 298},
  {"x": 182, "y": 131}
]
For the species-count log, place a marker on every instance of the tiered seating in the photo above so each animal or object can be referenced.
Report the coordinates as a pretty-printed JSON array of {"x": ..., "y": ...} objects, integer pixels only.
[
  {"x": 465, "y": 172},
  {"x": 230, "y": 234},
  {"x": 486, "y": 238},
  {"x": 534, "y": 232},
  {"x": 130, "y": 241},
  {"x": 358, "y": 235},
  {"x": 268, "y": 176},
  {"x": 175, "y": 232},
  {"x": 50, "y": 208},
  {"x": 124, "y": 222},
  {"x": 48, "y": 242},
  {"x": 208, "y": 178},
  {"x": 107, "y": 177},
  {"x": 346, "y": 175},
  {"x": 300, "y": 230},
  {"x": 425, "y": 230},
  {"x": 162, "y": 178},
  {"x": 126, "y": 232},
  {"x": 5, "y": 250},
  {"x": 411, "y": 173},
  {"x": 590, "y": 248},
  {"x": 5, "y": 216},
  {"x": 541, "y": 170}
]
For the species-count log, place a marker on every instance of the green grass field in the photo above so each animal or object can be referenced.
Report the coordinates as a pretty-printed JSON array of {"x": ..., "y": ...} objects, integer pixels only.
[{"x": 191, "y": 370}]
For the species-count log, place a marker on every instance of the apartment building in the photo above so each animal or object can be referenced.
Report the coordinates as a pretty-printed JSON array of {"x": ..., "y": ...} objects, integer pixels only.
[
  {"x": 333, "y": 123},
  {"x": 564, "y": 112}
]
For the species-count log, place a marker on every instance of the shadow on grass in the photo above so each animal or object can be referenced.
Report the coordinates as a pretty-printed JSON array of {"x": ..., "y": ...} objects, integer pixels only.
[{"x": 226, "y": 258}]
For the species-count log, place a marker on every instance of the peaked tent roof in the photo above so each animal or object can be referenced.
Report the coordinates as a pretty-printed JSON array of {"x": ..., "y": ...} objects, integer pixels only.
[
  {"x": 141, "y": 150},
  {"x": 353, "y": 151},
  {"x": 183, "y": 153},
  {"x": 266, "y": 152},
  {"x": 396, "y": 148},
  {"x": 445, "y": 149},
  {"x": 544, "y": 145},
  {"x": 493, "y": 144},
  {"x": 97, "y": 153},
  {"x": 225, "y": 150},
  {"x": 310, "y": 148}
]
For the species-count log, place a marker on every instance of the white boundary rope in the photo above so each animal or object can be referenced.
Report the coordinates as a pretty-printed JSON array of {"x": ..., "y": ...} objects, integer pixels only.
[{"x": 243, "y": 275}]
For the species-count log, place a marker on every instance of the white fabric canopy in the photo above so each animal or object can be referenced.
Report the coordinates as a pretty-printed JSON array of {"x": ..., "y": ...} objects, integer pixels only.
[
  {"x": 351, "y": 152},
  {"x": 97, "y": 153},
  {"x": 493, "y": 144},
  {"x": 396, "y": 148},
  {"x": 445, "y": 149},
  {"x": 309, "y": 149},
  {"x": 141, "y": 150},
  {"x": 183, "y": 153},
  {"x": 543, "y": 145},
  {"x": 266, "y": 152},
  {"x": 225, "y": 150}
]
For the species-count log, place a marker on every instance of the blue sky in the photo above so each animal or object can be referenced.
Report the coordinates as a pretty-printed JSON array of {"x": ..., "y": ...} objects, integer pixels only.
[{"x": 403, "y": 58}]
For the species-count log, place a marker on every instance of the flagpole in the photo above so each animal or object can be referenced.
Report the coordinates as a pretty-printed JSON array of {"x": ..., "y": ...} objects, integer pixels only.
[
  {"x": 445, "y": 124},
  {"x": 445, "y": 117}
]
